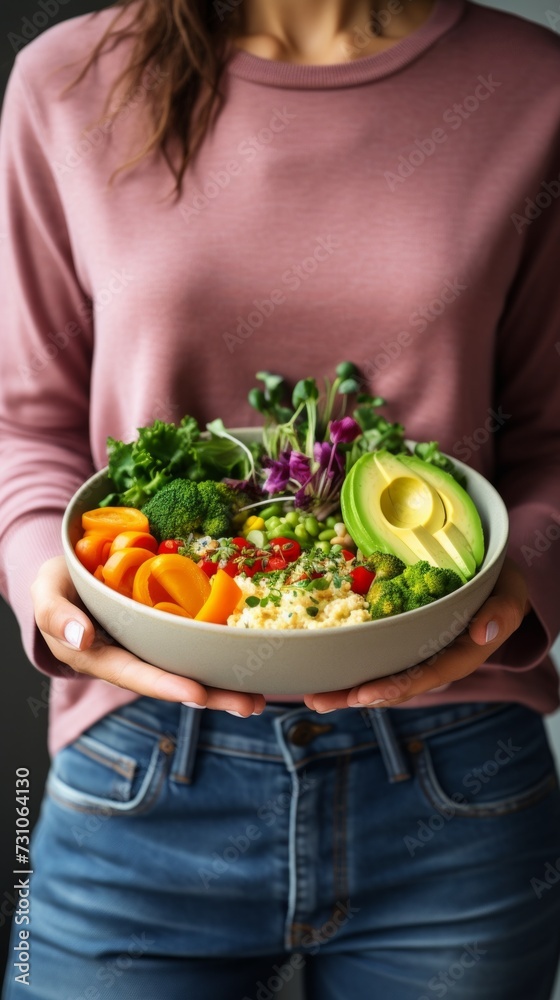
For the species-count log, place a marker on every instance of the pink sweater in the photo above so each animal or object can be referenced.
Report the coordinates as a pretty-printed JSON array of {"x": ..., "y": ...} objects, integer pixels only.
[{"x": 401, "y": 210}]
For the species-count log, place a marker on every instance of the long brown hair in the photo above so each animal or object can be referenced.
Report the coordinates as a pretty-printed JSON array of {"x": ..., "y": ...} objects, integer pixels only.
[{"x": 187, "y": 40}]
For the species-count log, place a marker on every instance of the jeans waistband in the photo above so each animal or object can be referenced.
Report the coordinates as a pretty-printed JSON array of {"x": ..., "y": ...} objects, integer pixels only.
[{"x": 293, "y": 734}]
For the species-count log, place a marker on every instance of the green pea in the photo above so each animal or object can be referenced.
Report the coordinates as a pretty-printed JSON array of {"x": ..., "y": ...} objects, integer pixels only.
[
  {"x": 301, "y": 533},
  {"x": 271, "y": 522},
  {"x": 327, "y": 534},
  {"x": 331, "y": 521},
  {"x": 275, "y": 510},
  {"x": 323, "y": 547},
  {"x": 292, "y": 518},
  {"x": 311, "y": 526},
  {"x": 281, "y": 532}
]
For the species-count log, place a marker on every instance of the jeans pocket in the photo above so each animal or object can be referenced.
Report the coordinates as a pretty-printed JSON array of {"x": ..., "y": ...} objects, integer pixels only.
[
  {"x": 488, "y": 768},
  {"x": 115, "y": 767}
]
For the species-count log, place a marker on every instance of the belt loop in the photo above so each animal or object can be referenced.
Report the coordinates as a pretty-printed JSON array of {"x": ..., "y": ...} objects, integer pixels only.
[
  {"x": 391, "y": 750},
  {"x": 187, "y": 740}
]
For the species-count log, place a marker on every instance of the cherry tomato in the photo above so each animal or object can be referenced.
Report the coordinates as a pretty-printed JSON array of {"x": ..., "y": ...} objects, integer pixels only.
[
  {"x": 236, "y": 565},
  {"x": 288, "y": 548},
  {"x": 208, "y": 567},
  {"x": 170, "y": 547},
  {"x": 241, "y": 543},
  {"x": 257, "y": 566},
  {"x": 362, "y": 580},
  {"x": 347, "y": 554},
  {"x": 276, "y": 562}
]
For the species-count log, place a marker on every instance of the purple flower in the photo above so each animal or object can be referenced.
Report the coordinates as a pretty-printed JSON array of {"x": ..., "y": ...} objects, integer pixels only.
[
  {"x": 322, "y": 490},
  {"x": 278, "y": 475},
  {"x": 344, "y": 431},
  {"x": 327, "y": 456},
  {"x": 290, "y": 467},
  {"x": 315, "y": 483},
  {"x": 300, "y": 467}
]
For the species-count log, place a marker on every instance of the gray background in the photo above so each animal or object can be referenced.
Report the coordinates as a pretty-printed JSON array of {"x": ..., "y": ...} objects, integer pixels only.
[{"x": 24, "y": 696}]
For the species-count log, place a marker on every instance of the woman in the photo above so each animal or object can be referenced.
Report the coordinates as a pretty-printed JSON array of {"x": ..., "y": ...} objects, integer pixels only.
[{"x": 385, "y": 173}]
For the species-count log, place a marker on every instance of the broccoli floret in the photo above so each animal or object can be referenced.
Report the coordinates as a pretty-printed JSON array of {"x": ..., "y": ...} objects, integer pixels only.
[
  {"x": 183, "y": 506},
  {"x": 385, "y": 565},
  {"x": 441, "y": 582},
  {"x": 430, "y": 582},
  {"x": 386, "y": 598},
  {"x": 414, "y": 578},
  {"x": 414, "y": 587}
]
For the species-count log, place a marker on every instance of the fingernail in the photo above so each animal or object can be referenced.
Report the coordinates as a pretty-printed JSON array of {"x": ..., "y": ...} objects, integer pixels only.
[
  {"x": 238, "y": 714},
  {"x": 378, "y": 701},
  {"x": 492, "y": 630},
  {"x": 258, "y": 711},
  {"x": 74, "y": 633},
  {"x": 442, "y": 687},
  {"x": 192, "y": 704},
  {"x": 325, "y": 711}
]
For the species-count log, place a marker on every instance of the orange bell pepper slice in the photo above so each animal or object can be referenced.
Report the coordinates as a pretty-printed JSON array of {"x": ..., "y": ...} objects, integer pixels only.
[
  {"x": 112, "y": 520},
  {"x": 93, "y": 549},
  {"x": 146, "y": 589},
  {"x": 172, "y": 609},
  {"x": 99, "y": 574},
  {"x": 223, "y": 600},
  {"x": 134, "y": 539},
  {"x": 120, "y": 569},
  {"x": 182, "y": 580}
]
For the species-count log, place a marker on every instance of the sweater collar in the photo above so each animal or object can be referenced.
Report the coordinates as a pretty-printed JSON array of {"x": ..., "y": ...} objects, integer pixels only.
[{"x": 275, "y": 73}]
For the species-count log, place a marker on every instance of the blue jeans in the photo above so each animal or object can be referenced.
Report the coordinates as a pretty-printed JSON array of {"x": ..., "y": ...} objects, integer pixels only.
[{"x": 402, "y": 855}]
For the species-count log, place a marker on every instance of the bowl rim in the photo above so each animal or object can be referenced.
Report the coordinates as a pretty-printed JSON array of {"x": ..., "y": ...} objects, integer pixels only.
[{"x": 288, "y": 634}]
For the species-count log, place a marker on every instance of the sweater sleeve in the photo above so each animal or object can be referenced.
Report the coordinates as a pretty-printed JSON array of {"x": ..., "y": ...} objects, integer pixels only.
[
  {"x": 528, "y": 443},
  {"x": 46, "y": 349}
]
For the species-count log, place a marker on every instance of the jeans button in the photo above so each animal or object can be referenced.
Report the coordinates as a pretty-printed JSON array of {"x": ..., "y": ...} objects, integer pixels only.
[{"x": 303, "y": 732}]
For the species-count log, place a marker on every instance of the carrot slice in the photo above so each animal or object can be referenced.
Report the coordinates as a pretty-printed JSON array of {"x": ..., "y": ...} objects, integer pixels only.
[
  {"x": 224, "y": 598},
  {"x": 121, "y": 567},
  {"x": 93, "y": 549},
  {"x": 113, "y": 520},
  {"x": 146, "y": 589},
  {"x": 134, "y": 539},
  {"x": 187, "y": 585},
  {"x": 172, "y": 609}
]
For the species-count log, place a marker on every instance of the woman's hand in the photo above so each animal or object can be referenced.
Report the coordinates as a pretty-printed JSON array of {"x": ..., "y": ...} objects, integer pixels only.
[
  {"x": 496, "y": 620},
  {"x": 72, "y": 638}
]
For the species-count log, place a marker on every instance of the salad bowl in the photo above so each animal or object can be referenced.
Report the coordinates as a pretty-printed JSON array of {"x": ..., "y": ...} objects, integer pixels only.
[{"x": 280, "y": 662}]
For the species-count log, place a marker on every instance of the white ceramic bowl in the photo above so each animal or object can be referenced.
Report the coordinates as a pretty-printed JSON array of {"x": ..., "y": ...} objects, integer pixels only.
[{"x": 273, "y": 661}]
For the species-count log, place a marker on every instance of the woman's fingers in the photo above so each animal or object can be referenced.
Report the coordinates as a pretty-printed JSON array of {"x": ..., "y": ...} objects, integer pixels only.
[
  {"x": 456, "y": 661},
  {"x": 504, "y": 610},
  {"x": 73, "y": 639},
  {"x": 56, "y": 613},
  {"x": 117, "y": 666},
  {"x": 496, "y": 620}
]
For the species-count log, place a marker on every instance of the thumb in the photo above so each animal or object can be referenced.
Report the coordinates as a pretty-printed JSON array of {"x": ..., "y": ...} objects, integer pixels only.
[
  {"x": 504, "y": 610},
  {"x": 56, "y": 613}
]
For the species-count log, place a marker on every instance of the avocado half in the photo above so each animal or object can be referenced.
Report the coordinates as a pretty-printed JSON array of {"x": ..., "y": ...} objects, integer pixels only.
[{"x": 401, "y": 504}]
